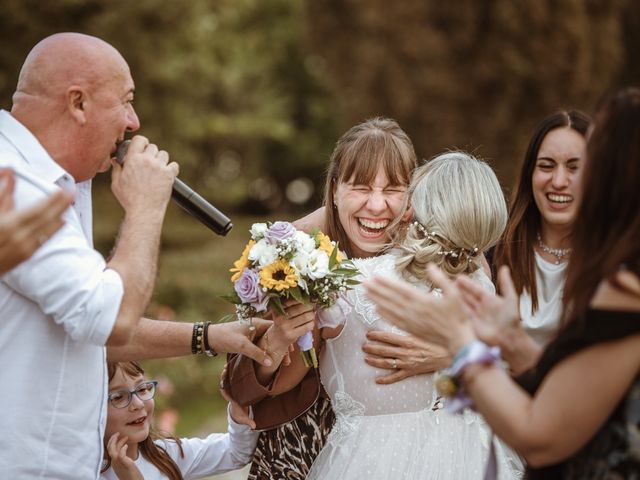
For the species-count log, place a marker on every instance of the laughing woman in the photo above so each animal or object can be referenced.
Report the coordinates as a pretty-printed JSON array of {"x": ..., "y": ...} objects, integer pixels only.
[
  {"x": 536, "y": 244},
  {"x": 400, "y": 431},
  {"x": 365, "y": 193}
]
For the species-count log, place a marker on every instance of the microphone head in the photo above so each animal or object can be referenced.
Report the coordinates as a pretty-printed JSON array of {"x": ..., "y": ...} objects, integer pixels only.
[{"x": 122, "y": 151}]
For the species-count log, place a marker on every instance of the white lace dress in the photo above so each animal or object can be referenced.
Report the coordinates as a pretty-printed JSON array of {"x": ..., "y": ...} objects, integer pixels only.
[{"x": 396, "y": 431}]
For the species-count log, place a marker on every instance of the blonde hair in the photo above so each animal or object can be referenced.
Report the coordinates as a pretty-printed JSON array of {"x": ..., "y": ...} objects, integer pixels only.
[{"x": 459, "y": 211}]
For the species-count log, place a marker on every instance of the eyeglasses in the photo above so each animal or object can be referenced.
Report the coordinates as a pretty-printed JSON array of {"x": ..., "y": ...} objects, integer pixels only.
[{"x": 122, "y": 398}]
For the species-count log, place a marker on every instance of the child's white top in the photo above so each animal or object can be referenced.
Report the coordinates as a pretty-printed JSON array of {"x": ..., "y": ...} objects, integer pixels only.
[{"x": 218, "y": 453}]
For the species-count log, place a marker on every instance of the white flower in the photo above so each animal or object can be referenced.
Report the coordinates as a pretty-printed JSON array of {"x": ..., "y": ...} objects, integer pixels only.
[
  {"x": 302, "y": 283},
  {"x": 300, "y": 262},
  {"x": 318, "y": 264},
  {"x": 263, "y": 253},
  {"x": 257, "y": 230},
  {"x": 305, "y": 242}
]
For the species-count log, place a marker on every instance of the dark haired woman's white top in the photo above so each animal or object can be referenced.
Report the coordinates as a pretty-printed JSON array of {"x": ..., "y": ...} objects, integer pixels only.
[{"x": 543, "y": 324}]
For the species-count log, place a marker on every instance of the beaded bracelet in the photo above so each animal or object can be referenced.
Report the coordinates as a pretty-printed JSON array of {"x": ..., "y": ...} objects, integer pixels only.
[
  {"x": 196, "y": 338},
  {"x": 208, "y": 351},
  {"x": 449, "y": 383}
]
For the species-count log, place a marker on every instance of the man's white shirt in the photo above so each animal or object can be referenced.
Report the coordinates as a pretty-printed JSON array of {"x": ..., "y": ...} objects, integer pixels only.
[{"x": 57, "y": 311}]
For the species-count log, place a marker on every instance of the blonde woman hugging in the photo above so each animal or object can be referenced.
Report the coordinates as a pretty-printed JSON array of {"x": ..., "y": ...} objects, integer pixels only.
[{"x": 400, "y": 431}]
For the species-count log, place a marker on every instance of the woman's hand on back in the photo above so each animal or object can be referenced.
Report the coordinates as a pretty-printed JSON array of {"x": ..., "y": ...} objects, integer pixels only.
[{"x": 404, "y": 355}]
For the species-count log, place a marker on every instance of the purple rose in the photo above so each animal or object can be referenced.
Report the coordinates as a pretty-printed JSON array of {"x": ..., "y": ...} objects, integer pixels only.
[
  {"x": 279, "y": 231},
  {"x": 248, "y": 289}
]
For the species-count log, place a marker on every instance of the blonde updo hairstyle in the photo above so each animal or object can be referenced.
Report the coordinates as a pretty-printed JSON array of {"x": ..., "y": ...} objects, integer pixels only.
[{"x": 459, "y": 211}]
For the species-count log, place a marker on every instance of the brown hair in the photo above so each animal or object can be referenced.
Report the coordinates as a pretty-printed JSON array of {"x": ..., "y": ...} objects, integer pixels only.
[
  {"x": 515, "y": 249},
  {"x": 153, "y": 452},
  {"x": 358, "y": 156},
  {"x": 606, "y": 234}
]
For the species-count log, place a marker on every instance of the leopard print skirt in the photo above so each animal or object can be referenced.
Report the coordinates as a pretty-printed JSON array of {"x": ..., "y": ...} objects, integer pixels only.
[{"x": 287, "y": 452}]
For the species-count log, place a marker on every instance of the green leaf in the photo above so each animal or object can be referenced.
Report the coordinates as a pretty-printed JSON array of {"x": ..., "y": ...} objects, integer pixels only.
[
  {"x": 299, "y": 296},
  {"x": 276, "y": 304},
  {"x": 232, "y": 298},
  {"x": 333, "y": 258}
]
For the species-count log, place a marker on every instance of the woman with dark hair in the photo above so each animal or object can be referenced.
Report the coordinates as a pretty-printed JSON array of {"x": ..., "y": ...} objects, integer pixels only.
[
  {"x": 536, "y": 243},
  {"x": 365, "y": 190},
  {"x": 575, "y": 415}
]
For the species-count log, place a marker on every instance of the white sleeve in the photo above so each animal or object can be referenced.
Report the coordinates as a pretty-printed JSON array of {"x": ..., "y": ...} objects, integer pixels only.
[
  {"x": 67, "y": 278},
  {"x": 336, "y": 315},
  {"x": 218, "y": 453}
]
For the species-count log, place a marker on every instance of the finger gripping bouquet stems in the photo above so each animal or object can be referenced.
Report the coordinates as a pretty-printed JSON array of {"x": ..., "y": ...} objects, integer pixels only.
[{"x": 281, "y": 263}]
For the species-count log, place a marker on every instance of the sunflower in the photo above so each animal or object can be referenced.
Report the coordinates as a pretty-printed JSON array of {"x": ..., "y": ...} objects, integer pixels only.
[
  {"x": 278, "y": 275},
  {"x": 328, "y": 246},
  {"x": 242, "y": 263}
]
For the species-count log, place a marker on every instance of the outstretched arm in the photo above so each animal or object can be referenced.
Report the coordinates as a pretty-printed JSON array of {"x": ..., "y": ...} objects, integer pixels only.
[
  {"x": 546, "y": 428},
  {"x": 164, "y": 339}
]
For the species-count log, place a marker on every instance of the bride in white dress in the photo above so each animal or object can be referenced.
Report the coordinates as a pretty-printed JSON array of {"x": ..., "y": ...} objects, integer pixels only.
[{"x": 400, "y": 431}]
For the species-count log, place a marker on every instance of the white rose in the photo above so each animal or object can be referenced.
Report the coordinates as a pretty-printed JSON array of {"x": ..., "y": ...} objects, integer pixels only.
[
  {"x": 318, "y": 265},
  {"x": 257, "y": 230},
  {"x": 263, "y": 253},
  {"x": 301, "y": 262},
  {"x": 305, "y": 242}
]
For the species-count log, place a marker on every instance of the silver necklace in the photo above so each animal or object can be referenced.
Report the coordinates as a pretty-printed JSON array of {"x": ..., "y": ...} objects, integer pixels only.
[{"x": 559, "y": 253}]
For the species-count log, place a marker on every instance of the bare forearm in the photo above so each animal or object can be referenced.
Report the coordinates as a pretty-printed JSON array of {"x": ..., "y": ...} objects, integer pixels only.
[
  {"x": 503, "y": 404},
  {"x": 573, "y": 401},
  {"x": 154, "y": 339},
  {"x": 135, "y": 259},
  {"x": 266, "y": 374}
]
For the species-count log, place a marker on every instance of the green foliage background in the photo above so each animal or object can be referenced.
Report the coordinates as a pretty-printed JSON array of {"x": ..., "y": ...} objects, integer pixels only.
[{"x": 248, "y": 95}]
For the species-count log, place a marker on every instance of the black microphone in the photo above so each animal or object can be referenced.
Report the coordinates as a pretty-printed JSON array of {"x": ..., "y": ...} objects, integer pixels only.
[{"x": 189, "y": 200}]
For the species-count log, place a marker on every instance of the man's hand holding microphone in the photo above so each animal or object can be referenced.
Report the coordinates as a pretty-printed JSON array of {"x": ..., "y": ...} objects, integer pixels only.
[{"x": 142, "y": 185}]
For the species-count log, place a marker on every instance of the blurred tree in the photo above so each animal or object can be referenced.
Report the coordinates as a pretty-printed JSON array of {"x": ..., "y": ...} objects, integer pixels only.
[
  {"x": 249, "y": 95},
  {"x": 472, "y": 73},
  {"x": 225, "y": 86}
]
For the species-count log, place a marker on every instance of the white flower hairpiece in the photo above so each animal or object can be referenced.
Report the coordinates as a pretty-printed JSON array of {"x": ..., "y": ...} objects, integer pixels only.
[{"x": 433, "y": 237}]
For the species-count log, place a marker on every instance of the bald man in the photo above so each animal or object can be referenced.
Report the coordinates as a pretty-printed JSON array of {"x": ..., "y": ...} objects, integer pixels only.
[{"x": 58, "y": 310}]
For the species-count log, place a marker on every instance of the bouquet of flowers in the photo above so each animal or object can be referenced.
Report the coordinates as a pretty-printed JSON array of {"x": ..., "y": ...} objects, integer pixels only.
[{"x": 281, "y": 262}]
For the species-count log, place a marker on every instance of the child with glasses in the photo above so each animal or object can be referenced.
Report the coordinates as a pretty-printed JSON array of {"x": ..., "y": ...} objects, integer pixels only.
[{"x": 133, "y": 451}]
